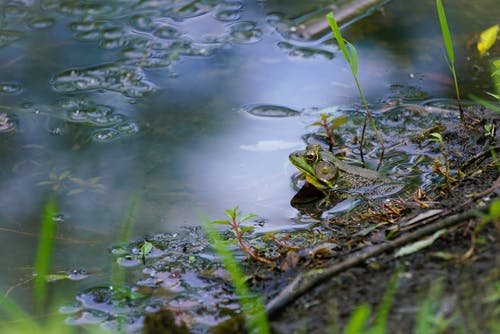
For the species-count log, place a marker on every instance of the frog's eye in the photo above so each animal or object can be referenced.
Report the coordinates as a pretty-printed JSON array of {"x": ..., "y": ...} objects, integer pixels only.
[
  {"x": 311, "y": 156},
  {"x": 325, "y": 171}
]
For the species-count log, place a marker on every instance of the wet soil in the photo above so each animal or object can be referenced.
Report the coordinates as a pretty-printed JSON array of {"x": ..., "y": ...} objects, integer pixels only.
[{"x": 465, "y": 280}]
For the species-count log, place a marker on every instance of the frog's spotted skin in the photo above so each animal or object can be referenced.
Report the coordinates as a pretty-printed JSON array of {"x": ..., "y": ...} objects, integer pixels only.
[{"x": 327, "y": 173}]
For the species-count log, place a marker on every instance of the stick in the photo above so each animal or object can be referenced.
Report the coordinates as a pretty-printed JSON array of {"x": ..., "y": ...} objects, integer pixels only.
[{"x": 305, "y": 282}]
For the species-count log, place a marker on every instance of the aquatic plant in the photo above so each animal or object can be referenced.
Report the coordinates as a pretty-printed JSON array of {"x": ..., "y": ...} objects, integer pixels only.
[
  {"x": 253, "y": 308},
  {"x": 330, "y": 123},
  {"x": 19, "y": 321},
  {"x": 449, "y": 51},
  {"x": 239, "y": 231},
  {"x": 351, "y": 57}
]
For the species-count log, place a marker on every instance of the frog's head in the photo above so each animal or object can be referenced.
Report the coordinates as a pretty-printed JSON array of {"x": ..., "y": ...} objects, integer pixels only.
[{"x": 319, "y": 170}]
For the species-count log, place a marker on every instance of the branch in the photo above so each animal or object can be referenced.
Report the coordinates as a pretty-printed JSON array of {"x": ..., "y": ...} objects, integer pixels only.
[{"x": 308, "y": 281}]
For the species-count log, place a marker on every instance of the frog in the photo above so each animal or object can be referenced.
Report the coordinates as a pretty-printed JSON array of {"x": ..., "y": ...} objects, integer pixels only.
[{"x": 329, "y": 174}]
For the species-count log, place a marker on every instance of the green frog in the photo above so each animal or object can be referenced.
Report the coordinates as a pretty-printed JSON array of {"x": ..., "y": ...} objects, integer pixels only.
[{"x": 327, "y": 173}]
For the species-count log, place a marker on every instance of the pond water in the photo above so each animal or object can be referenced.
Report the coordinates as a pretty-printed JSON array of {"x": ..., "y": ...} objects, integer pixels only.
[{"x": 187, "y": 108}]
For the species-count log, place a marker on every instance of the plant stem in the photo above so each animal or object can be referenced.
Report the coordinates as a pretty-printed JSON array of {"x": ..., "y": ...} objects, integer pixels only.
[
  {"x": 372, "y": 123},
  {"x": 455, "y": 80},
  {"x": 244, "y": 246}
]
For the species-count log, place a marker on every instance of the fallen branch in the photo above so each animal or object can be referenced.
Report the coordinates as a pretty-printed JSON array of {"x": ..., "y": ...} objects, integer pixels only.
[{"x": 308, "y": 281}]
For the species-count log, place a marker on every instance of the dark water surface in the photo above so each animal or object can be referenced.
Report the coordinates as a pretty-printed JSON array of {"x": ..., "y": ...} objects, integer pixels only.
[{"x": 188, "y": 106}]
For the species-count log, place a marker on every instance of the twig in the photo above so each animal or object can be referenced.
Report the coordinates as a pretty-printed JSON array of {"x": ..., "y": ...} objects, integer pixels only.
[{"x": 306, "y": 282}]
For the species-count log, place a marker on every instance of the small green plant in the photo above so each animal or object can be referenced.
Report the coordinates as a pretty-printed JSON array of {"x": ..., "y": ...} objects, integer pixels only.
[
  {"x": 253, "y": 308},
  {"x": 239, "y": 231},
  {"x": 449, "y": 51},
  {"x": 442, "y": 164},
  {"x": 351, "y": 57},
  {"x": 330, "y": 123}
]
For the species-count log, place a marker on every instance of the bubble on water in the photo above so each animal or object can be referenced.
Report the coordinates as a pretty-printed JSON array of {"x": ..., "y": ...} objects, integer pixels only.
[
  {"x": 88, "y": 36},
  {"x": 77, "y": 274},
  {"x": 77, "y": 116},
  {"x": 7, "y": 123},
  {"x": 109, "y": 44},
  {"x": 128, "y": 128},
  {"x": 42, "y": 23},
  {"x": 270, "y": 111},
  {"x": 228, "y": 15},
  {"x": 128, "y": 261},
  {"x": 245, "y": 32},
  {"x": 142, "y": 22},
  {"x": 127, "y": 80},
  {"x": 231, "y": 5},
  {"x": 15, "y": 10},
  {"x": 84, "y": 26},
  {"x": 84, "y": 9},
  {"x": 183, "y": 11},
  {"x": 106, "y": 135},
  {"x": 295, "y": 51},
  {"x": 9, "y": 36},
  {"x": 112, "y": 32},
  {"x": 166, "y": 32},
  {"x": 10, "y": 88}
]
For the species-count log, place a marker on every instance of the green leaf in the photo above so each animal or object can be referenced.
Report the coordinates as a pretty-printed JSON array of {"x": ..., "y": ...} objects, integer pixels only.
[
  {"x": 354, "y": 58},
  {"x": 146, "y": 248},
  {"x": 358, "y": 319},
  {"x": 232, "y": 213},
  {"x": 336, "y": 122},
  {"x": 445, "y": 31},
  {"x": 338, "y": 36},
  {"x": 419, "y": 245},
  {"x": 436, "y": 137},
  {"x": 246, "y": 229},
  {"x": 220, "y": 222},
  {"x": 247, "y": 217},
  {"x": 495, "y": 209}
]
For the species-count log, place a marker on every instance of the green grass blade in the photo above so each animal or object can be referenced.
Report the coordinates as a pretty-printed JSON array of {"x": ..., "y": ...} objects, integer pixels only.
[
  {"x": 253, "y": 307},
  {"x": 385, "y": 305},
  {"x": 354, "y": 58},
  {"x": 44, "y": 254},
  {"x": 446, "y": 31},
  {"x": 338, "y": 36},
  {"x": 358, "y": 320}
]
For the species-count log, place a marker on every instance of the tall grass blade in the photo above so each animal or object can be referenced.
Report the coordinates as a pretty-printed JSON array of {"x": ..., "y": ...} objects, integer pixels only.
[
  {"x": 354, "y": 58},
  {"x": 358, "y": 320},
  {"x": 253, "y": 308},
  {"x": 338, "y": 36},
  {"x": 385, "y": 305},
  {"x": 449, "y": 50},
  {"x": 445, "y": 31},
  {"x": 44, "y": 255}
]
